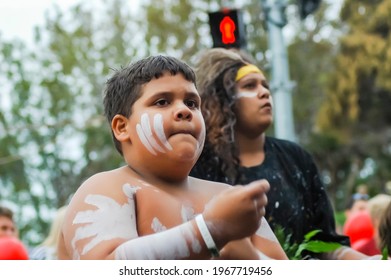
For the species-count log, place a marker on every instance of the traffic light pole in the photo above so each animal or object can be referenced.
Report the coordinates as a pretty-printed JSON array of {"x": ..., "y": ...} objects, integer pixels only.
[{"x": 281, "y": 85}]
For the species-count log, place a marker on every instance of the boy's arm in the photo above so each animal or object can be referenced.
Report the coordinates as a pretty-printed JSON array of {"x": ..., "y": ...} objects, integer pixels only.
[{"x": 181, "y": 242}]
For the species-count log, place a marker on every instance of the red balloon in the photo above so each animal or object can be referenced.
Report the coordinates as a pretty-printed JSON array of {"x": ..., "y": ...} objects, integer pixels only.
[
  {"x": 366, "y": 246},
  {"x": 12, "y": 248},
  {"x": 358, "y": 226}
]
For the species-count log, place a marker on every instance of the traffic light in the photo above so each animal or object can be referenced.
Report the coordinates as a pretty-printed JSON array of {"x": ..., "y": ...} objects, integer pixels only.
[
  {"x": 227, "y": 29},
  {"x": 307, "y": 7}
]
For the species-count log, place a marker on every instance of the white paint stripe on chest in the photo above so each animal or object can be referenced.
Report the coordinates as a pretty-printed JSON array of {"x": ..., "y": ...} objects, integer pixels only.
[
  {"x": 157, "y": 226},
  {"x": 110, "y": 220},
  {"x": 187, "y": 213}
]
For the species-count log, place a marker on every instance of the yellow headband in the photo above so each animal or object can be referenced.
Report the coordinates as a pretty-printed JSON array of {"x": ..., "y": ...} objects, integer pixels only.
[{"x": 247, "y": 69}]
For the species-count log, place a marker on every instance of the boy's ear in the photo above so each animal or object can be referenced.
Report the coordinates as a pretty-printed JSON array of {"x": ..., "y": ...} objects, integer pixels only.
[{"x": 119, "y": 125}]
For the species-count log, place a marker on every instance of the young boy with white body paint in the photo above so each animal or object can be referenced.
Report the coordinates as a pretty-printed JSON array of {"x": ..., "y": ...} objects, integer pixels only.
[{"x": 150, "y": 208}]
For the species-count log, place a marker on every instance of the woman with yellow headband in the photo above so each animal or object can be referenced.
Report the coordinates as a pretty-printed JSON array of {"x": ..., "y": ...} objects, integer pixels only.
[{"x": 238, "y": 109}]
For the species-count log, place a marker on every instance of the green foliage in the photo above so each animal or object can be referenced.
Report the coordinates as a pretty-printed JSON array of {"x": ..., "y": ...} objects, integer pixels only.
[
  {"x": 385, "y": 253},
  {"x": 355, "y": 109},
  {"x": 340, "y": 218},
  {"x": 285, "y": 242},
  {"x": 296, "y": 251}
]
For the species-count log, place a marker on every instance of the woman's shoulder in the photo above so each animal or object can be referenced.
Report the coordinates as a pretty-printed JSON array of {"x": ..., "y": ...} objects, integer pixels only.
[
  {"x": 286, "y": 146},
  {"x": 282, "y": 143}
]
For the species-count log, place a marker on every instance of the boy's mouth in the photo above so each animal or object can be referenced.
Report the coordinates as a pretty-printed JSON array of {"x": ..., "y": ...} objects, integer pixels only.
[{"x": 184, "y": 131}]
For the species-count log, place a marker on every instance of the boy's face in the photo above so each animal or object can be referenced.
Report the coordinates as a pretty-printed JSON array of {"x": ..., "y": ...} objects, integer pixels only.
[{"x": 167, "y": 120}]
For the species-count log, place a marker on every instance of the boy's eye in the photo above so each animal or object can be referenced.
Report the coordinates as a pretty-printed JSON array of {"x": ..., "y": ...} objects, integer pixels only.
[
  {"x": 265, "y": 85},
  {"x": 193, "y": 104},
  {"x": 161, "y": 102}
]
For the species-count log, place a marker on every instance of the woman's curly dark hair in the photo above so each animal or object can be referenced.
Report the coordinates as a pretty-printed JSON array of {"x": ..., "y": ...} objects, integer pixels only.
[
  {"x": 384, "y": 230},
  {"x": 216, "y": 71}
]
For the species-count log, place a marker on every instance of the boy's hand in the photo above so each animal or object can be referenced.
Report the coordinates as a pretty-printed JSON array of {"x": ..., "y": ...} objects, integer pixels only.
[{"x": 236, "y": 212}]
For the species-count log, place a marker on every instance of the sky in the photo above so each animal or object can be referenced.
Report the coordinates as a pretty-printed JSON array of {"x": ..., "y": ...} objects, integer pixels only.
[{"x": 18, "y": 17}]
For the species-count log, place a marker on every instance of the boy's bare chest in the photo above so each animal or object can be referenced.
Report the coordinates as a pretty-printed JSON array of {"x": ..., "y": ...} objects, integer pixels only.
[{"x": 157, "y": 210}]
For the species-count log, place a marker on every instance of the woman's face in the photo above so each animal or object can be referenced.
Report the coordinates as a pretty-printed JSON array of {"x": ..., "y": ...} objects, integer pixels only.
[{"x": 254, "y": 104}]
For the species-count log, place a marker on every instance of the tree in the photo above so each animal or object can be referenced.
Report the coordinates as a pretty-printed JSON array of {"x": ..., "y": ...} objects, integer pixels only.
[
  {"x": 355, "y": 115},
  {"x": 54, "y": 132}
]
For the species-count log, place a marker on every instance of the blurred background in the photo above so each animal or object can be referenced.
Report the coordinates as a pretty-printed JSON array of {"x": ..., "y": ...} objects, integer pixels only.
[{"x": 55, "y": 59}]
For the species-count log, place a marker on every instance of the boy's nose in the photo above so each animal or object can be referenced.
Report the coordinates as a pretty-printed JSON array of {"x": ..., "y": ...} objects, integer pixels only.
[{"x": 183, "y": 113}]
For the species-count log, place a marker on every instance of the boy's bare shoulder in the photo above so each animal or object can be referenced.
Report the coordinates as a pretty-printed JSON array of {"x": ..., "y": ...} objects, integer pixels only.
[
  {"x": 108, "y": 183},
  {"x": 95, "y": 202}
]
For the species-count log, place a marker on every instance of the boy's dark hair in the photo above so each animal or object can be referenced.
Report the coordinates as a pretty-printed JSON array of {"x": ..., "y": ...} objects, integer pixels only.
[
  {"x": 124, "y": 87},
  {"x": 6, "y": 212}
]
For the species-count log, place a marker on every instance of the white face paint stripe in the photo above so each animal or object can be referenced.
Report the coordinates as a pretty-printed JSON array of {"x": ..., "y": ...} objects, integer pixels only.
[
  {"x": 201, "y": 139},
  {"x": 246, "y": 94},
  {"x": 144, "y": 140},
  {"x": 146, "y": 127},
  {"x": 159, "y": 129}
]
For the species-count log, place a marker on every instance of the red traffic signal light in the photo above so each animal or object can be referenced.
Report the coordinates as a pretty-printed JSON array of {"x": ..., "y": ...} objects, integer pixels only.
[{"x": 227, "y": 29}]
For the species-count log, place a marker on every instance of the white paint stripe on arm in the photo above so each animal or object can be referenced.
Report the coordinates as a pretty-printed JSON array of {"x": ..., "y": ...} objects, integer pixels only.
[{"x": 174, "y": 243}]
